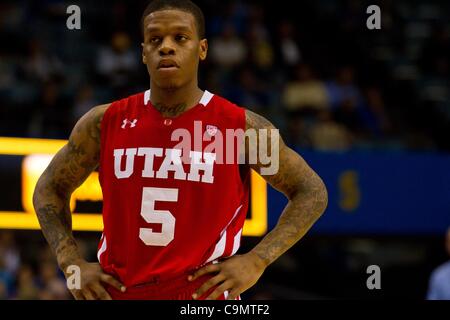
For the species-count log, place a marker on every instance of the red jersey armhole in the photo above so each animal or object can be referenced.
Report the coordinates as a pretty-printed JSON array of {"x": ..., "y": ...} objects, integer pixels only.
[
  {"x": 243, "y": 180},
  {"x": 103, "y": 134}
]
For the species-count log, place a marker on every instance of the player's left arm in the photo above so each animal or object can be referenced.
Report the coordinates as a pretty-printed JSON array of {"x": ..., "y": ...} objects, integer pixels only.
[{"x": 307, "y": 197}]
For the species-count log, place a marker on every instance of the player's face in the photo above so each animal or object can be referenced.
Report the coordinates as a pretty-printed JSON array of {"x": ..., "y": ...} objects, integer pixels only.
[{"x": 172, "y": 48}]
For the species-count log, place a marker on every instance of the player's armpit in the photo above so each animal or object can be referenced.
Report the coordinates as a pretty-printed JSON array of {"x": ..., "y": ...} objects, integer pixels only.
[
  {"x": 67, "y": 171},
  {"x": 305, "y": 190}
]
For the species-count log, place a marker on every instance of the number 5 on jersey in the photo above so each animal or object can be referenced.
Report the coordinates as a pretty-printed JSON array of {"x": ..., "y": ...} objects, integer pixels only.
[{"x": 163, "y": 217}]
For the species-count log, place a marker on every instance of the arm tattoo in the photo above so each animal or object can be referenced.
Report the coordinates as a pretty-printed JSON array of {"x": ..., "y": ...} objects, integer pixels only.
[
  {"x": 67, "y": 171},
  {"x": 302, "y": 186},
  {"x": 59, "y": 220}
]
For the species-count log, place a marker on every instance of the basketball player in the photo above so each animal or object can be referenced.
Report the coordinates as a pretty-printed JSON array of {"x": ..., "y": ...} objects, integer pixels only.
[{"x": 171, "y": 228}]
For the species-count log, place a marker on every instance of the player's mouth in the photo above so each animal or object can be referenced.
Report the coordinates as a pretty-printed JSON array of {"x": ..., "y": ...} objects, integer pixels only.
[{"x": 167, "y": 64}]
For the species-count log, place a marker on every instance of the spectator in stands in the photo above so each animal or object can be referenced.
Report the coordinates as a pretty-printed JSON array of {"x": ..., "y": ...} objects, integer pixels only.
[
  {"x": 261, "y": 52},
  {"x": 233, "y": 12},
  {"x": 289, "y": 50},
  {"x": 40, "y": 65},
  {"x": 9, "y": 252},
  {"x": 327, "y": 135},
  {"x": 305, "y": 91},
  {"x": 249, "y": 91},
  {"x": 347, "y": 101},
  {"x": 228, "y": 50},
  {"x": 53, "y": 287},
  {"x": 118, "y": 63},
  {"x": 297, "y": 131},
  {"x": 343, "y": 88},
  {"x": 439, "y": 286},
  {"x": 84, "y": 101},
  {"x": 26, "y": 284},
  {"x": 379, "y": 120},
  {"x": 6, "y": 280},
  {"x": 51, "y": 120},
  {"x": 257, "y": 39}
]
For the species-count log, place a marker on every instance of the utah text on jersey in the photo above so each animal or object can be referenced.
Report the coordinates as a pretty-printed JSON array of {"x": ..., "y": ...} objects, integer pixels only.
[{"x": 201, "y": 164}]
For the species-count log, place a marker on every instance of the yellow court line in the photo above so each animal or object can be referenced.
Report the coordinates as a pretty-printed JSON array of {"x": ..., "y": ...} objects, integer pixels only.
[
  {"x": 94, "y": 222},
  {"x": 29, "y": 221},
  {"x": 26, "y": 146}
]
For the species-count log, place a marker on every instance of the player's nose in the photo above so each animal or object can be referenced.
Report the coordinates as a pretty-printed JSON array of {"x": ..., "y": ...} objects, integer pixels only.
[{"x": 166, "y": 48}]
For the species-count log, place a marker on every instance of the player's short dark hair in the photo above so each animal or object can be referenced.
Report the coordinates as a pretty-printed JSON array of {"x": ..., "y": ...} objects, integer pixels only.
[{"x": 182, "y": 5}]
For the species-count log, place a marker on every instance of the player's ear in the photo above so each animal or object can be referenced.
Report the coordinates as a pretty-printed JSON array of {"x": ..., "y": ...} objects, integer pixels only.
[
  {"x": 203, "y": 49},
  {"x": 144, "y": 58}
]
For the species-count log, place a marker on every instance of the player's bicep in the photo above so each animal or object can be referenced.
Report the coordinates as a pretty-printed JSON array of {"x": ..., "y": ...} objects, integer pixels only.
[{"x": 79, "y": 157}]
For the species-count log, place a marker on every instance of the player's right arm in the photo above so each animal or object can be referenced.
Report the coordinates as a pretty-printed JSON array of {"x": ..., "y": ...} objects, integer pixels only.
[{"x": 51, "y": 199}]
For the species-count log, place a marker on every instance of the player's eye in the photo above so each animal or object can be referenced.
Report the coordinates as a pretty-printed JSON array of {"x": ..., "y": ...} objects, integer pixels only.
[
  {"x": 155, "y": 39},
  {"x": 181, "y": 37}
]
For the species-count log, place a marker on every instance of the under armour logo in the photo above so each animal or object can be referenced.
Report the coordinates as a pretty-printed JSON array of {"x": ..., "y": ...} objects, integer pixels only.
[{"x": 131, "y": 123}]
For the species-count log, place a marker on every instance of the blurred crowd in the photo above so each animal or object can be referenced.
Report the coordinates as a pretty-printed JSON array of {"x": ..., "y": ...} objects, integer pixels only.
[
  {"x": 315, "y": 70},
  {"x": 28, "y": 268},
  {"x": 36, "y": 278}
]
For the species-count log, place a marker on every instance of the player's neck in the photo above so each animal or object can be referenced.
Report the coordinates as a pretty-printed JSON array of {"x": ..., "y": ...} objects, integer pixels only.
[{"x": 172, "y": 103}]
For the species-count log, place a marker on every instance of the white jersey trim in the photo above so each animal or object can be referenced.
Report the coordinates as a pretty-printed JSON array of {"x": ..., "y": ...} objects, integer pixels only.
[
  {"x": 102, "y": 248},
  {"x": 146, "y": 97},
  {"x": 205, "y": 100},
  {"x": 236, "y": 242},
  {"x": 219, "y": 249}
]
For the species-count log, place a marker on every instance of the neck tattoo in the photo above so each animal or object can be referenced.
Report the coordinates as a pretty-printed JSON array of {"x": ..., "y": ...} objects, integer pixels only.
[{"x": 171, "y": 111}]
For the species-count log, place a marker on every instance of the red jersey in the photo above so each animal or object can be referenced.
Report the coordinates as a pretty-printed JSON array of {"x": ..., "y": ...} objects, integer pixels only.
[{"x": 163, "y": 215}]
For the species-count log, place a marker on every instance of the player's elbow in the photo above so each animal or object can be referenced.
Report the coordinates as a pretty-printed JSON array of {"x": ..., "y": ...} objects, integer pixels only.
[
  {"x": 38, "y": 198},
  {"x": 40, "y": 190},
  {"x": 322, "y": 198},
  {"x": 314, "y": 192},
  {"x": 47, "y": 190}
]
